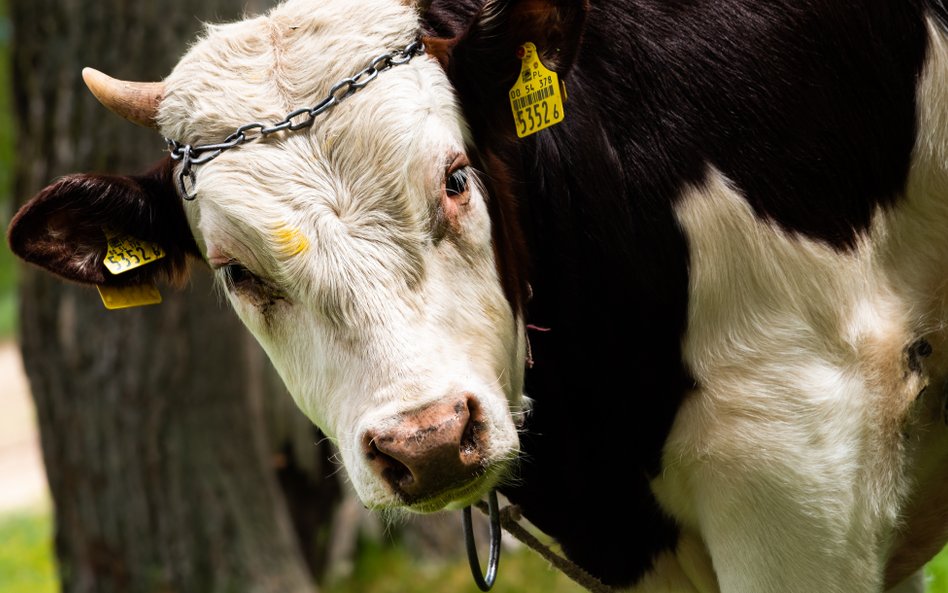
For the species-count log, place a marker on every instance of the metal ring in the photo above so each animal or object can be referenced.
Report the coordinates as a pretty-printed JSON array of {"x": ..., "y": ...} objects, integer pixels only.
[
  {"x": 345, "y": 83},
  {"x": 323, "y": 105},
  {"x": 250, "y": 132},
  {"x": 364, "y": 77},
  {"x": 210, "y": 153},
  {"x": 305, "y": 123},
  {"x": 185, "y": 192},
  {"x": 484, "y": 582},
  {"x": 382, "y": 62},
  {"x": 283, "y": 125}
]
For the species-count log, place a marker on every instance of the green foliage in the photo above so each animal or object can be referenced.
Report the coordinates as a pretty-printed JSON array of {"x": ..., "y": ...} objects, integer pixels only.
[
  {"x": 7, "y": 261},
  {"x": 392, "y": 570},
  {"x": 6, "y": 106},
  {"x": 8, "y": 298},
  {"x": 937, "y": 573},
  {"x": 27, "y": 566},
  {"x": 26, "y": 554}
]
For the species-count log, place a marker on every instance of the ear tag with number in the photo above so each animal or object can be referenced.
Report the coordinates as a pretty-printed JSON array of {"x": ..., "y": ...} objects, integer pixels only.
[
  {"x": 127, "y": 253},
  {"x": 536, "y": 98}
]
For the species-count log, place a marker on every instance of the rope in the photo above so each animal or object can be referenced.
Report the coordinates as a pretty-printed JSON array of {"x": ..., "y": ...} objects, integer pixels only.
[{"x": 510, "y": 522}]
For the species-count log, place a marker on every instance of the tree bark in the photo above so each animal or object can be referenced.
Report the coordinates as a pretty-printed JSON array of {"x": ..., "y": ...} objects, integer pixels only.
[{"x": 159, "y": 425}]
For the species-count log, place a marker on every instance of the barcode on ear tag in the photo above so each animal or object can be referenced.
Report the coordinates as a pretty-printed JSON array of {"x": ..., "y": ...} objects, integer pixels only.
[
  {"x": 124, "y": 297},
  {"x": 127, "y": 253},
  {"x": 537, "y": 96}
]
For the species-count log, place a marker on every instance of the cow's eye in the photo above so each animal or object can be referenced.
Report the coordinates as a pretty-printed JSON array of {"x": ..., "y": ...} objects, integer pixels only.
[
  {"x": 237, "y": 276},
  {"x": 258, "y": 291},
  {"x": 456, "y": 183}
]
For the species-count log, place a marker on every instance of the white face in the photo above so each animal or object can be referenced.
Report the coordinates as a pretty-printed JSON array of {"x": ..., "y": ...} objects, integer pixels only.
[{"x": 359, "y": 251}]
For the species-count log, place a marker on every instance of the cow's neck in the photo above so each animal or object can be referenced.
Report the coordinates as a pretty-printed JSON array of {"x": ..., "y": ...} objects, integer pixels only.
[{"x": 608, "y": 376}]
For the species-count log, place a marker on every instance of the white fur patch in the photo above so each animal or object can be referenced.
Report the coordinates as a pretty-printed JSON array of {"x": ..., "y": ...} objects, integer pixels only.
[
  {"x": 784, "y": 458},
  {"x": 369, "y": 316},
  {"x": 798, "y": 454}
]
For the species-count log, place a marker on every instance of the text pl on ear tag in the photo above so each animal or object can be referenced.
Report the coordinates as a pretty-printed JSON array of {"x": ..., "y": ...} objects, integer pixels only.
[{"x": 537, "y": 96}]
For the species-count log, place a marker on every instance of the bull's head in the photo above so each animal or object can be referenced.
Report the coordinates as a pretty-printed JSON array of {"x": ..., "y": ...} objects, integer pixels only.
[{"x": 375, "y": 255}]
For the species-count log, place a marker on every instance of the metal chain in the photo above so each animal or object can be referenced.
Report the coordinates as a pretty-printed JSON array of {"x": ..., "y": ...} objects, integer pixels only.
[{"x": 294, "y": 121}]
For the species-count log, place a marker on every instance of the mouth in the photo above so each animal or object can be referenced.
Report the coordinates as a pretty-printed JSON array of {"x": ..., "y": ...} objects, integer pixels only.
[{"x": 461, "y": 496}]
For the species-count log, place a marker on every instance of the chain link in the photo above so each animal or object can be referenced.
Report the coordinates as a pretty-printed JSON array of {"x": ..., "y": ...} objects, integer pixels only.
[{"x": 294, "y": 121}]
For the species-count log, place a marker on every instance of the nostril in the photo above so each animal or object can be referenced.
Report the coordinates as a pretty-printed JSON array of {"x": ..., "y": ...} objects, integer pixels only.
[
  {"x": 472, "y": 438},
  {"x": 392, "y": 470}
]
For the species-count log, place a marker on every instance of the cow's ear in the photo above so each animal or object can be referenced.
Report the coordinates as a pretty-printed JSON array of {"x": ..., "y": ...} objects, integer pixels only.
[
  {"x": 484, "y": 61},
  {"x": 502, "y": 26},
  {"x": 63, "y": 228}
]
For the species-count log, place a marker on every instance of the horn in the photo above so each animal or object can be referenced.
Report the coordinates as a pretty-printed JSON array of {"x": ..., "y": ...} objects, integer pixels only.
[{"x": 135, "y": 101}]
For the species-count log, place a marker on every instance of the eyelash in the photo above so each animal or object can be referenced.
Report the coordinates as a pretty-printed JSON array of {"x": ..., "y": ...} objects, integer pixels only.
[
  {"x": 236, "y": 276},
  {"x": 238, "y": 279},
  {"x": 457, "y": 182}
]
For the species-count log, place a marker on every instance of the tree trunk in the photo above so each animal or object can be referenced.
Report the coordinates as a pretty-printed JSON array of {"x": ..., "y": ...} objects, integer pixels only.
[{"x": 156, "y": 423}]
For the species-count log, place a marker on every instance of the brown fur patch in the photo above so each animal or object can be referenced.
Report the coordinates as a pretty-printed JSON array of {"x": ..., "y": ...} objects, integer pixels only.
[{"x": 61, "y": 228}]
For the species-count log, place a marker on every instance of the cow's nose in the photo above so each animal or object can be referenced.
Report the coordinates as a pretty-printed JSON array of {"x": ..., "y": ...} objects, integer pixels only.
[{"x": 430, "y": 450}]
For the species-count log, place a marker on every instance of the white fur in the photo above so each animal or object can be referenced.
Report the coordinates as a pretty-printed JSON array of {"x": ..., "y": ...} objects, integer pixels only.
[
  {"x": 796, "y": 456},
  {"x": 378, "y": 318}
]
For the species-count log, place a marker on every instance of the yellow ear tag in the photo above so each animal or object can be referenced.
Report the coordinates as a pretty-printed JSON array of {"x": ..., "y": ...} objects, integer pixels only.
[
  {"x": 536, "y": 98},
  {"x": 127, "y": 253},
  {"x": 123, "y": 297}
]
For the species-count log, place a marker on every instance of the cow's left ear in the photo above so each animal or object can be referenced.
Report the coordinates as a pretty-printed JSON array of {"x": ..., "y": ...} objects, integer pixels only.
[
  {"x": 484, "y": 61},
  {"x": 64, "y": 228}
]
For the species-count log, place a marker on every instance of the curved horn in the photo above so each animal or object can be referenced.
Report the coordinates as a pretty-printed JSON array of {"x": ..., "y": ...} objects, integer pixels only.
[{"x": 135, "y": 101}]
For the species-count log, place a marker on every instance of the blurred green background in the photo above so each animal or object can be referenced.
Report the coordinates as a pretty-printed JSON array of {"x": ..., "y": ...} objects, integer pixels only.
[
  {"x": 7, "y": 267},
  {"x": 27, "y": 566}
]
